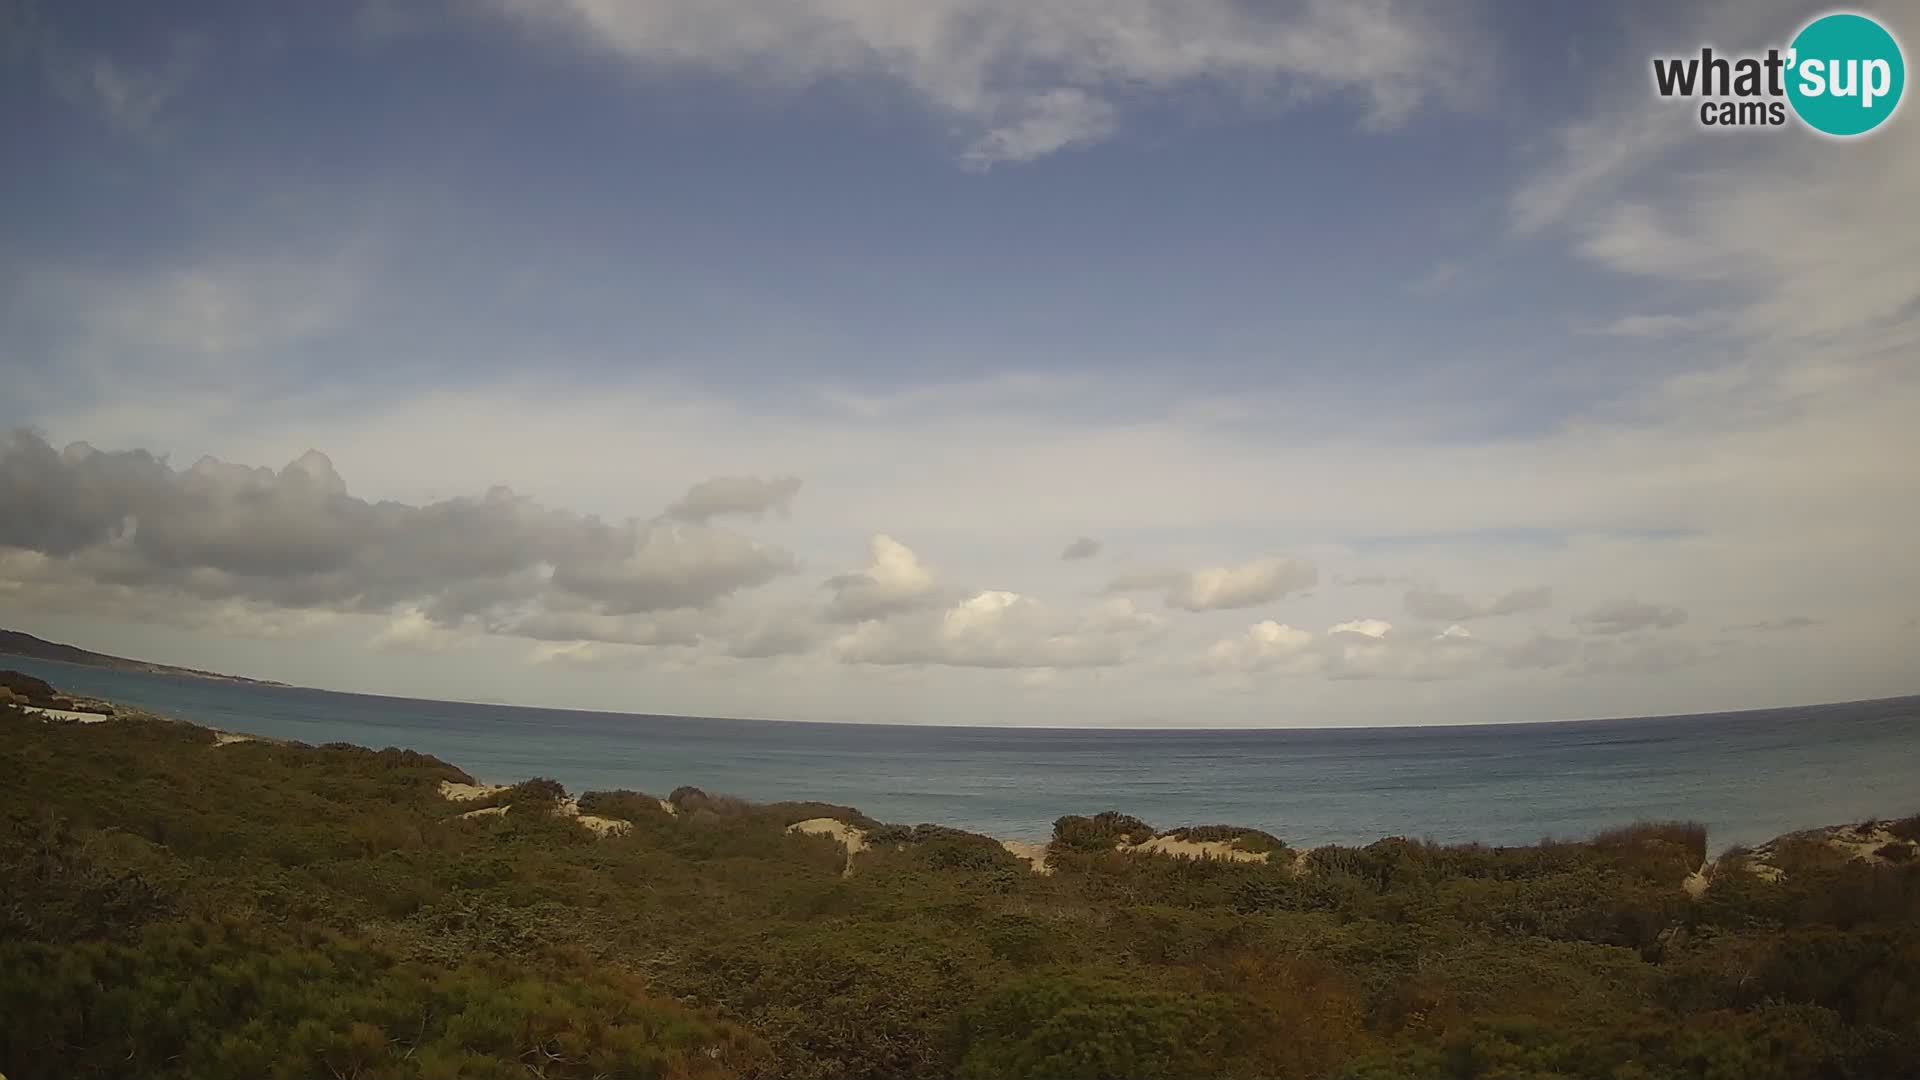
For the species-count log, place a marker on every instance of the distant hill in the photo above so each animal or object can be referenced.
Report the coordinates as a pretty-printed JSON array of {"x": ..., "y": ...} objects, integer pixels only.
[{"x": 15, "y": 643}]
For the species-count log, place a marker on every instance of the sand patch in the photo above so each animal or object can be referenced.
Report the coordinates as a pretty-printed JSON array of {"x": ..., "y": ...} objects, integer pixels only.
[
  {"x": 72, "y": 716},
  {"x": 672, "y": 810},
  {"x": 469, "y": 792},
  {"x": 854, "y": 840},
  {"x": 1858, "y": 843},
  {"x": 1194, "y": 849},
  {"x": 599, "y": 826},
  {"x": 1035, "y": 854},
  {"x": 227, "y": 738},
  {"x": 1696, "y": 883},
  {"x": 486, "y": 811}
]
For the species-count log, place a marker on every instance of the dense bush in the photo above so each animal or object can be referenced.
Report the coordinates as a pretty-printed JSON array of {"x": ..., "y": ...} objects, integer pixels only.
[
  {"x": 169, "y": 908},
  {"x": 621, "y": 805},
  {"x": 1240, "y": 837},
  {"x": 1075, "y": 1029},
  {"x": 1100, "y": 832}
]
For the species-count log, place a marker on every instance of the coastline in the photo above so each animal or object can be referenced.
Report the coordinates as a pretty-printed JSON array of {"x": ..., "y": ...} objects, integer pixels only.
[{"x": 1872, "y": 841}]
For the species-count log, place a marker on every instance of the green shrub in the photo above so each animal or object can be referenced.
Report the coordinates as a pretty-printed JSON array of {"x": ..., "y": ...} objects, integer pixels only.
[
  {"x": 1065, "y": 1029},
  {"x": 1245, "y": 839},
  {"x": 1101, "y": 832}
]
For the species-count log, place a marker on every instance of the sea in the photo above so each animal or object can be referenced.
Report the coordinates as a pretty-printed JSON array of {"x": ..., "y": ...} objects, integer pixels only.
[{"x": 1748, "y": 776}]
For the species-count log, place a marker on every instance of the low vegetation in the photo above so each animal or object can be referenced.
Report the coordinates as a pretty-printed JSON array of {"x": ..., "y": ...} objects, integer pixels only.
[{"x": 173, "y": 908}]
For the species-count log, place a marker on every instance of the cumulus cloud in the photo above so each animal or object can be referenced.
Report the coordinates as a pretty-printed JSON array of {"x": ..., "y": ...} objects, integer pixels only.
[
  {"x": 1084, "y": 548},
  {"x": 749, "y": 496},
  {"x": 1220, "y": 588},
  {"x": 999, "y": 629},
  {"x": 665, "y": 566},
  {"x": 894, "y": 581},
  {"x": 128, "y": 524},
  {"x": 1023, "y": 79},
  {"x": 1454, "y": 607},
  {"x": 1628, "y": 615},
  {"x": 1356, "y": 649},
  {"x": 1266, "y": 646}
]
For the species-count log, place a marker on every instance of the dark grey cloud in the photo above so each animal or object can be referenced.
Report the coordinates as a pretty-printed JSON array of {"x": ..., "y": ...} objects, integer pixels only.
[
  {"x": 1085, "y": 547},
  {"x": 1455, "y": 607},
  {"x": 296, "y": 538},
  {"x": 750, "y": 496},
  {"x": 1626, "y": 616}
]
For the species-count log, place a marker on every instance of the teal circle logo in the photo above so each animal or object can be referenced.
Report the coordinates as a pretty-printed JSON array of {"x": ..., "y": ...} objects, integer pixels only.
[{"x": 1846, "y": 75}]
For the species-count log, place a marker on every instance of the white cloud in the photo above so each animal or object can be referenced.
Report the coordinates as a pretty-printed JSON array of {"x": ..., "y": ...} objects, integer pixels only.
[
  {"x": 1358, "y": 649},
  {"x": 1218, "y": 588},
  {"x": 1025, "y": 78},
  {"x": 893, "y": 581},
  {"x": 747, "y": 496},
  {"x": 999, "y": 629},
  {"x": 1266, "y": 646}
]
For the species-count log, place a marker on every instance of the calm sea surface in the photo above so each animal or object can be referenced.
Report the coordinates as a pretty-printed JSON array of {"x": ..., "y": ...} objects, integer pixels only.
[{"x": 1750, "y": 776}]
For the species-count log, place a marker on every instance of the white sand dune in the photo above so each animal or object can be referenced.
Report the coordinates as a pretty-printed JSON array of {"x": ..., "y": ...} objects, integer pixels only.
[
  {"x": 70, "y": 715},
  {"x": 854, "y": 840},
  {"x": 599, "y": 826},
  {"x": 1194, "y": 849},
  {"x": 566, "y": 808},
  {"x": 469, "y": 792}
]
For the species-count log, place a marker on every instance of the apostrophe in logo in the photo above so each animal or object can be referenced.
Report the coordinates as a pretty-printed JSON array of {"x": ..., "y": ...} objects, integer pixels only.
[
  {"x": 1843, "y": 75},
  {"x": 1847, "y": 74}
]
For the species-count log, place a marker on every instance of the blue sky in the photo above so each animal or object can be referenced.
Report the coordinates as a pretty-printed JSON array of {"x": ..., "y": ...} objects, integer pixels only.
[{"x": 1265, "y": 299}]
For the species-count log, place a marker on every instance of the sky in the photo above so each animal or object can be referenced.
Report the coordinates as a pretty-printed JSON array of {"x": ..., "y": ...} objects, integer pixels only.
[{"x": 1162, "y": 363}]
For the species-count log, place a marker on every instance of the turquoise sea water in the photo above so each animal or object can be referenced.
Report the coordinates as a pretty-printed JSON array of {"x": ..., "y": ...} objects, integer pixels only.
[{"x": 1749, "y": 776}]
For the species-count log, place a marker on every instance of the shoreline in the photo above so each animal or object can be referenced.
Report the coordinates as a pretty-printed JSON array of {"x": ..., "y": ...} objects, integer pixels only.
[{"x": 1871, "y": 840}]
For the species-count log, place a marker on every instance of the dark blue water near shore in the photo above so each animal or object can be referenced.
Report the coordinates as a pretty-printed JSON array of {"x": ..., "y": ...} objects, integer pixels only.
[{"x": 1749, "y": 776}]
